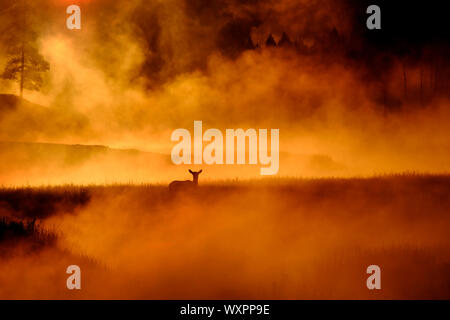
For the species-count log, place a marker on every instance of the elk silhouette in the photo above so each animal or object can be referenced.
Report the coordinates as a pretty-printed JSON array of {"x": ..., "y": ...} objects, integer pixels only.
[{"x": 186, "y": 184}]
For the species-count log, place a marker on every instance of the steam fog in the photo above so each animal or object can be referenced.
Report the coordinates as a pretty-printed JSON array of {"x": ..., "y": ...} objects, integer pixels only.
[
  {"x": 347, "y": 103},
  {"x": 137, "y": 70}
]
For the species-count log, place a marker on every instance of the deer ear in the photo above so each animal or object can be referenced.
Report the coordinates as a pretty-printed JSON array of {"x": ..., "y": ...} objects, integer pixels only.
[
  {"x": 190, "y": 171},
  {"x": 200, "y": 171}
]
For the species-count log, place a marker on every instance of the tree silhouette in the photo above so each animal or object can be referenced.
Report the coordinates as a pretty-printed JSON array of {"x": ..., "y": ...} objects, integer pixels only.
[
  {"x": 285, "y": 41},
  {"x": 270, "y": 42},
  {"x": 24, "y": 62}
]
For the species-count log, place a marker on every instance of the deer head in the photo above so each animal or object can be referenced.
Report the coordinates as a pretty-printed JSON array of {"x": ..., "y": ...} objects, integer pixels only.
[{"x": 195, "y": 175}]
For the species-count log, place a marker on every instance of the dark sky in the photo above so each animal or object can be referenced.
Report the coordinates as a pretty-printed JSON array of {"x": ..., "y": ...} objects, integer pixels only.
[{"x": 416, "y": 23}]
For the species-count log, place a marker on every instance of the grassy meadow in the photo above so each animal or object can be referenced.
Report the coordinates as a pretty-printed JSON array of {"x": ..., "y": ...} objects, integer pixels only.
[{"x": 269, "y": 239}]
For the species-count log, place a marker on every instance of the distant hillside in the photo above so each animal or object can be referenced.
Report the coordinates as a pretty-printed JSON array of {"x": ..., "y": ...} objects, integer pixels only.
[
  {"x": 24, "y": 120},
  {"x": 11, "y": 103},
  {"x": 24, "y": 163},
  {"x": 41, "y": 163},
  {"x": 65, "y": 154},
  {"x": 8, "y": 103}
]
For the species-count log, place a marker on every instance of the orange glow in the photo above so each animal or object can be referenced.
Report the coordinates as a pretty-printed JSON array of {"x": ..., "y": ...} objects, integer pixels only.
[{"x": 85, "y": 155}]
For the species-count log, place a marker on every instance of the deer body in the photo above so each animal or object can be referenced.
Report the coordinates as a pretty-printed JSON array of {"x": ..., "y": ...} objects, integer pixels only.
[{"x": 186, "y": 184}]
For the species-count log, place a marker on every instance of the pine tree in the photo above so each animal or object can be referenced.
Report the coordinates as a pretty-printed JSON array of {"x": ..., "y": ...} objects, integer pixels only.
[
  {"x": 270, "y": 42},
  {"x": 24, "y": 62},
  {"x": 285, "y": 41},
  {"x": 249, "y": 45}
]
